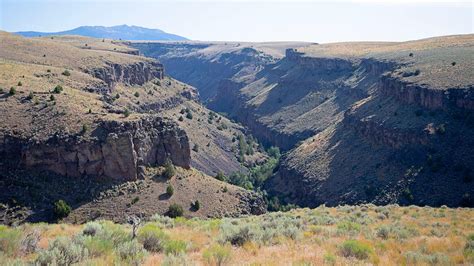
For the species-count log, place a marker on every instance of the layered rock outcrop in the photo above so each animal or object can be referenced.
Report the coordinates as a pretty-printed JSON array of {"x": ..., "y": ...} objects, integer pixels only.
[
  {"x": 131, "y": 74},
  {"x": 430, "y": 98},
  {"x": 116, "y": 150}
]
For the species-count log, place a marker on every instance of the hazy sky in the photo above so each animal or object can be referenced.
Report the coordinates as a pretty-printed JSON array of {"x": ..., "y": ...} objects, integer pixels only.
[{"x": 245, "y": 20}]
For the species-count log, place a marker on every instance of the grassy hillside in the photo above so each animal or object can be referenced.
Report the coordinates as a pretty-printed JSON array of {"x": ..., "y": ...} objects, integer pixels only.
[
  {"x": 59, "y": 94},
  {"x": 345, "y": 235}
]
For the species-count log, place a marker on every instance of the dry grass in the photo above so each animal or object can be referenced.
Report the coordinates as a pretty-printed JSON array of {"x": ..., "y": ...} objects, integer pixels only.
[{"x": 410, "y": 238}]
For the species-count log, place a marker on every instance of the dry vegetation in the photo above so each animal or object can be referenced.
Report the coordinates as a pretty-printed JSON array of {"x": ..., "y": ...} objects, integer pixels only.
[
  {"x": 355, "y": 235},
  {"x": 442, "y": 62}
]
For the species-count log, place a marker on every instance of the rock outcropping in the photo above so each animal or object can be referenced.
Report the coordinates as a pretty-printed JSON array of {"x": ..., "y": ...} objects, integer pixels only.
[
  {"x": 131, "y": 74},
  {"x": 116, "y": 150}
]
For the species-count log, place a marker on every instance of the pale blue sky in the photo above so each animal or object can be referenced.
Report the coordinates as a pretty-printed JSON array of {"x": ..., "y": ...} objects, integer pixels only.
[{"x": 245, "y": 20}]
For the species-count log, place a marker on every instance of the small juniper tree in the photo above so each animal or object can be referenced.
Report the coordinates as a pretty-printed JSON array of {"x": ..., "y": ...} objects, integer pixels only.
[
  {"x": 126, "y": 112},
  {"x": 170, "y": 190},
  {"x": 170, "y": 171},
  {"x": 61, "y": 209},
  {"x": 175, "y": 210},
  {"x": 196, "y": 205},
  {"x": 58, "y": 89}
]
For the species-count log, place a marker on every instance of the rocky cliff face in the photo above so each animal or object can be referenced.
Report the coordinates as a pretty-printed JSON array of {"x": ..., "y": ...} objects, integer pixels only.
[
  {"x": 430, "y": 98},
  {"x": 116, "y": 151},
  {"x": 131, "y": 74}
]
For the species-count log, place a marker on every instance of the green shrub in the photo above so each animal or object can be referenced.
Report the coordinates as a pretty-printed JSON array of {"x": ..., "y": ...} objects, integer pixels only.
[
  {"x": 66, "y": 73},
  {"x": 169, "y": 190},
  {"x": 175, "y": 247},
  {"x": 419, "y": 258},
  {"x": 12, "y": 91},
  {"x": 52, "y": 98},
  {"x": 152, "y": 237},
  {"x": 181, "y": 119},
  {"x": 126, "y": 112},
  {"x": 175, "y": 210},
  {"x": 20, "y": 84},
  {"x": 175, "y": 260},
  {"x": 220, "y": 176},
  {"x": 354, "y": 248},
  {"x": 58, "y": 89},
  {"x": 62, "y": 251},
  {"x": 136, "y": 94},
  {"x": 217, "y": 254},
  {"x": 348, "y": 227},
  {"x": 96, "y": 245},
  {"x": 383, "y": 232},
  {"x": 329, "y": 259},
  {"x": 10, "y": 239},
  {"x": 131, "y": 252},
  {"x": 170, "y": 171},
  {"x": 61, "y": 209},
  {"x": 163, "y": 221},
  {"x": 237, "y": 235},
  {"x": 114, "y": 233},
  {"x": 85, "y": 128},
  {"x": 92, "y": 229},
  {"x": 135, "y": 200},
  {"x": 189, "y": 115},
  {"x": 30, "y": 96},
  {"x": 469, "y": 248}
]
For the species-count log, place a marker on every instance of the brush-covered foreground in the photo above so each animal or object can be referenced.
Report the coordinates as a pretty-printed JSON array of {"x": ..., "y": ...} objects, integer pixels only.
[{"x": 355, "y": 235}]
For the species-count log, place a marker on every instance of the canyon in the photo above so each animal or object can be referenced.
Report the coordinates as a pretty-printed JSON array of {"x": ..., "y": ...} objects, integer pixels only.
[
  {"x": 96, "y": 122},
  {"x": 360, "y": 122}
]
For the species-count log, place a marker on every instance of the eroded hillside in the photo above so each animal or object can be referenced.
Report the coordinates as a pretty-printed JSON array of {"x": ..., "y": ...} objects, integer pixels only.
[
  {"x": 363, "y": 122},
  {"x": 81, "y": 116}
]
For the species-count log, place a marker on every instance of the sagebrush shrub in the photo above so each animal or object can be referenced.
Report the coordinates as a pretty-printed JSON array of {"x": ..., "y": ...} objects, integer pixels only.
[
  {"x": 131, "y": 252},
  {"x": 92, "y": 229},
  {"x": 217, "y": 254},
  {"x": 10, "y": 239},
  {"x": 152, "y": 237},
  {"x": 354, "y": 248},
  {"x": 163, "y": 221},
  {"x": 62, "y": 251},
  {"x": 175, "y": 247},
  {"x": 174, "y": 260}
]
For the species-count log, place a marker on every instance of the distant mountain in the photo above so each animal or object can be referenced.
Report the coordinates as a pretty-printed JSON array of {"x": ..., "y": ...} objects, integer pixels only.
[{"x": 123, "y": 32}]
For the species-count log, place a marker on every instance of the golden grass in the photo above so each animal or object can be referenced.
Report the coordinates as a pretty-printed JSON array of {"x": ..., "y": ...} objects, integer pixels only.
[{"x": 319, "y": 243}]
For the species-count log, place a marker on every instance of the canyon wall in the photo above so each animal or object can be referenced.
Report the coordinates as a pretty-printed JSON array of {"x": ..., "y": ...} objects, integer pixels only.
[
  {"x": 131, "y": 74},
  {"x": 116, "y": 150}
]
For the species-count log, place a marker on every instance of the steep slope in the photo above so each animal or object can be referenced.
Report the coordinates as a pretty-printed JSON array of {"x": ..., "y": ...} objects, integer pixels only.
[
  {"x": 122, "y": 32},
  {"x": 205, "y": 65},
  {"x": 364, "y": 122},
  {"x": 76, "y": 114}
]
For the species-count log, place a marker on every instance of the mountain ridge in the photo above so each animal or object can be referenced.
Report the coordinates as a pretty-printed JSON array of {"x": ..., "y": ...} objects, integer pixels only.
[{"x": 124, "y": 32}]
